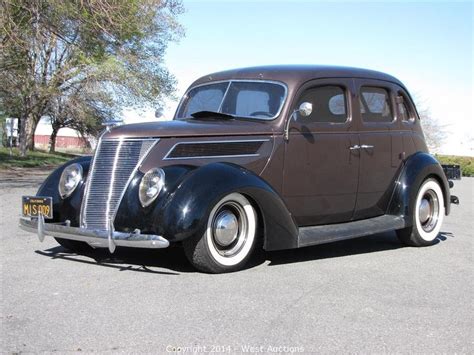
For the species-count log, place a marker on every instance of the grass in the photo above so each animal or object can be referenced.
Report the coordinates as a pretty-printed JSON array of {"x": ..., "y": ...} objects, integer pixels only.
[
  {"x": 35, "y": 159},
  {"x": 38, "y": 159},
  {"x": 466, "y": 163}
]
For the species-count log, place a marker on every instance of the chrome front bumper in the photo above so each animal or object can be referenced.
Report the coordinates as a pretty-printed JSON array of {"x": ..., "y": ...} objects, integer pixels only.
[{"x": 96, "y": 238}]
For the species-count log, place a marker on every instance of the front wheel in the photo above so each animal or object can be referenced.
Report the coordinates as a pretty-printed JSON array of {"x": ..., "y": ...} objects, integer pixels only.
[
  {"x": 428, "y": 214},
  {"x": 229, "y": 238}
]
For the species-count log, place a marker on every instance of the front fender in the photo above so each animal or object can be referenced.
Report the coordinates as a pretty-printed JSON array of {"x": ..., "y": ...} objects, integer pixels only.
[
  {"x": 70, "y": 207},
  {"x": 418, "y": 167},
  {"x": 181, "y": 210},
  {"x": 188, "y": 207}
]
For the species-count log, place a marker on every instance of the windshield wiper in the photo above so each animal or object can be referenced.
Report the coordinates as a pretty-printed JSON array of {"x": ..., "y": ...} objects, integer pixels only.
[{"x": 212, "y": 114}]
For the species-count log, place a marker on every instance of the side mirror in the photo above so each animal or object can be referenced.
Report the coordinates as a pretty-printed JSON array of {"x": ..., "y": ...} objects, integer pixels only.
[
  {"x": 159, "y": 112},
  {"x": 305, "y": 109}
]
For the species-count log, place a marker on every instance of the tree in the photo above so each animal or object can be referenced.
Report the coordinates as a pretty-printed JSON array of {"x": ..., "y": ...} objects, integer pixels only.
[
  {"x": 79, "y": 112},
  {"x": 103, "y": 54},
  {"x": 434, "y": 131}
]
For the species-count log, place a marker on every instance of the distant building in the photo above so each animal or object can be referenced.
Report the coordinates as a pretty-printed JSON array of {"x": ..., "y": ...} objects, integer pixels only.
[{"x": 67, "y": 138}]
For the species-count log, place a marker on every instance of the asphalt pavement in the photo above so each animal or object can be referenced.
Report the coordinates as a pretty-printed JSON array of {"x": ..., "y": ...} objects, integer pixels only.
[{"x": 367, "y": 295}]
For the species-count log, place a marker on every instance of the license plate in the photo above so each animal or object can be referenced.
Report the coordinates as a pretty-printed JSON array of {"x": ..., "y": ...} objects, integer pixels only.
[{"x": 33, "y": 206}]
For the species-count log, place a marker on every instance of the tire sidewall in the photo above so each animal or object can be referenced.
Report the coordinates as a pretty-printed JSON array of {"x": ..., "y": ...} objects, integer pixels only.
[
  {"x": 236, "y": 261},
  {"x": 428, "y": 237}
]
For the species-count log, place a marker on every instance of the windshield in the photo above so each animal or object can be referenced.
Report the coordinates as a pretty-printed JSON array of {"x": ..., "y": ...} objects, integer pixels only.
[{"x": 252, "y": 99}]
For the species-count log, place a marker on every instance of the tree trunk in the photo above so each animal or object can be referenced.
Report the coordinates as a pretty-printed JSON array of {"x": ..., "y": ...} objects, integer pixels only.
[
  {"x": 30, "y": 132},
  {"x": 52, "y": 139},
  {"x": 27, "y": 134},
  {"x": 22, "y": 136}
]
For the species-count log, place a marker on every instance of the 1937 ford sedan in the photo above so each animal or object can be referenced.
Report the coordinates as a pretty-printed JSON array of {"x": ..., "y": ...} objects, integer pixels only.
[{"x": 280, "y": 157}]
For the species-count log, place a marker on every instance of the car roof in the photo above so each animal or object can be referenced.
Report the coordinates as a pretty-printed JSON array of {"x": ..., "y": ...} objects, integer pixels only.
[{"x": 294, "y": 75}]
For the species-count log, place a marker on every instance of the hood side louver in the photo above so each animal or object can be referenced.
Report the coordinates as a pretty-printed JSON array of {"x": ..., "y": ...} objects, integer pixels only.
[{"x": 214, "y": 149}]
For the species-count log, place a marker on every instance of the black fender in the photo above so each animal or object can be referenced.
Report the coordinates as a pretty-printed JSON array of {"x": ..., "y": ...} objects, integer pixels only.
[
  {"x": 189, "y": 194},
  {"x": 417, "y": 168},
  {"x": 70, "y": 207}
]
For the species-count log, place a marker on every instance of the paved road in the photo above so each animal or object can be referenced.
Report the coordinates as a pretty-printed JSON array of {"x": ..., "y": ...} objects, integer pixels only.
[{"x": 364, "y": 295}]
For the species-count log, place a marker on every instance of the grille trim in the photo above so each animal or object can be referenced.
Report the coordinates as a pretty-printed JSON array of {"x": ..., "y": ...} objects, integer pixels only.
[
  {"x": 215, "y": 149},
  {"x": 113, "y": 167}
]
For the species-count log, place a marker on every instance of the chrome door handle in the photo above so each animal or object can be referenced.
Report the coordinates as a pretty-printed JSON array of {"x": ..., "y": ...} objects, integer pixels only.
[
  {"x": 355, "y": 147},
  {"x": 365, "y": 146}
]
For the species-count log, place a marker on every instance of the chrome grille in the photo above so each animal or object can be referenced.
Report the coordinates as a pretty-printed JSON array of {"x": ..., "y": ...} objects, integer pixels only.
[{"x": 115, "y": 162}]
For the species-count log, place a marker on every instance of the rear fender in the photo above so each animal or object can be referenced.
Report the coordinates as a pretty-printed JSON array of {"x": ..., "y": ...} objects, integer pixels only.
[{"x": 418, "y": 167}]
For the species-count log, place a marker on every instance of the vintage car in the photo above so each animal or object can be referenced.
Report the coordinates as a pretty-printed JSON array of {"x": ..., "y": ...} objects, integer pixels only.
[{"x": 274, "y": 157}]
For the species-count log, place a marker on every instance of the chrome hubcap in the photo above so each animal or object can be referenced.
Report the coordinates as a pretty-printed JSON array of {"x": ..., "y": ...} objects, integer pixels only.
[
  {"x": 226, "y": 228},
  {"x": 428, "y": 211},
  {"x": 229, "y": 229},
  {"x": 425, "y": 210}
]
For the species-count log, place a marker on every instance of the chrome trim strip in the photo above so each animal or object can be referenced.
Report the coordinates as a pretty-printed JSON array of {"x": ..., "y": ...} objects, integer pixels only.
[
  {"x": 129, "y": 139},
  {"x": 95, "y": 238},
  {"x": 216, "y": 156},
  {"x": 282, "y": 84},
  {"x": 112, "y": 181},
  {"x": 223, "y": 97}
]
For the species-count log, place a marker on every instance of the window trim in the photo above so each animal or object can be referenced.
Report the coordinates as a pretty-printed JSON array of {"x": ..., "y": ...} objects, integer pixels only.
[
  {"x": 390, "y": 98},
  {"x": 230, "y": 81}
]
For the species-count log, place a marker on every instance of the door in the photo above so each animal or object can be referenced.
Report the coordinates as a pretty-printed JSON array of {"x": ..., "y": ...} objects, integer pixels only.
[
  {"x": 321, "y": 170},
  {"x": 381, "y": 145}
]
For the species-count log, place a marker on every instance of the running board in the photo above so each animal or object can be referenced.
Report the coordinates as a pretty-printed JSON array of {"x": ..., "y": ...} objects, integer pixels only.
[{"x": 334, "y": 232}]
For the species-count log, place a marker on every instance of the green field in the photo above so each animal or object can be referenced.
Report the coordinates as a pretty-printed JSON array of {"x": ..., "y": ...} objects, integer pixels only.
[
  {"x": 34, "y": 159},
  {"x": 44, "y": 159},
  {"x": 466, "y": 163}
]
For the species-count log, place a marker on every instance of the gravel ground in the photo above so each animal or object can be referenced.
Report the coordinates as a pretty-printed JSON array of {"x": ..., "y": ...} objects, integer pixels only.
[{"x": 365, "y": 295}]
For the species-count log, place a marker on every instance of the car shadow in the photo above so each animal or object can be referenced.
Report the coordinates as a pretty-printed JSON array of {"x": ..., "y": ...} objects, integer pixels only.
[
  {"x": 174, "y": 261},
  {"x": 128, "y": 259},
  {"x": 369, "y": 244}
]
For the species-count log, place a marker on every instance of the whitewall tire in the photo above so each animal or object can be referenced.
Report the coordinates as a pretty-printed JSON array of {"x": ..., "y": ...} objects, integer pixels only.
[
  {"x": 229, "y": 237},
  {"x": 428, "y": 214}
]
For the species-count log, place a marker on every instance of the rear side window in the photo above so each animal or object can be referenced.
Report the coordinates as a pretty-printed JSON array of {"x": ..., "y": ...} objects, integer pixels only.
[
  {"x": 404, "y": 112},
  {"x": 329, "y": 104},
  {"x": 375, "y": 105}
]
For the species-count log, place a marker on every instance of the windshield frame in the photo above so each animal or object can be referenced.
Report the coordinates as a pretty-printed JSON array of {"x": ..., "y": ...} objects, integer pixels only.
[{"x": 230, "y": 81}]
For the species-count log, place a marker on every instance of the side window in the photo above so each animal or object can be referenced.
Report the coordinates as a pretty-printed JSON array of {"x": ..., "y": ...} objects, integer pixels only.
[
  {"x": 375, "y": 104},
  {"x": 404, "y": 111},
  {"x": 329, "y": 104}
]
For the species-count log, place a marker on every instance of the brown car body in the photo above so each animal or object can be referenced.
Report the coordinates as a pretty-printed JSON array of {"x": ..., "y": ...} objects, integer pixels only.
[
  {"x": 309, "y": 182},
  {"x": 314, "y": 195}
]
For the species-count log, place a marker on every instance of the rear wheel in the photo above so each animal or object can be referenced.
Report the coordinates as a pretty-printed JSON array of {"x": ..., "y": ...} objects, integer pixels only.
[
  {"x": 229, "y": 238},
  {"x": 428, "y": 213},
  {"x": 74, "y": 245}
]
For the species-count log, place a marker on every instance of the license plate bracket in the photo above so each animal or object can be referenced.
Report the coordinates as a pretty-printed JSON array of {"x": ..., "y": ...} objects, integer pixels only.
[{"x": 33, "y": 206}]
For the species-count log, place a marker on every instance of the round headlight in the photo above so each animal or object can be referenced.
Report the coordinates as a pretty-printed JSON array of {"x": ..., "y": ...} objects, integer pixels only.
[
  {"x": 70, "y": 178},
  {"x": 151, "y": 185}
]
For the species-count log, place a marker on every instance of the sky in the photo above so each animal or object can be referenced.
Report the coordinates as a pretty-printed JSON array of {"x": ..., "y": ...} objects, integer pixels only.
[{"x": 427, "y": 45}]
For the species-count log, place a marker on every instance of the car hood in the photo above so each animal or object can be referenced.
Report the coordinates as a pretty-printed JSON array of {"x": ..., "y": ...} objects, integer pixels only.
[{"x": 192, "y": 128}]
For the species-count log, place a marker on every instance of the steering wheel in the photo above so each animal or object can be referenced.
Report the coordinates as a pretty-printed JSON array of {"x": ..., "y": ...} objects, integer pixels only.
[{"x": 261, "y": 113}]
